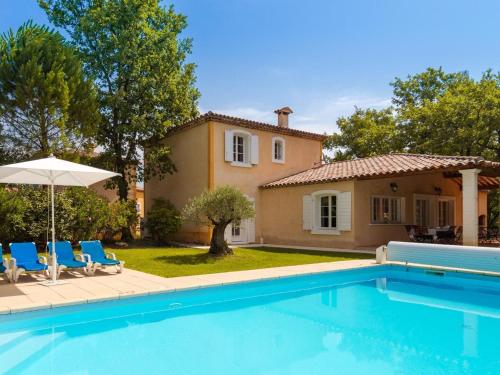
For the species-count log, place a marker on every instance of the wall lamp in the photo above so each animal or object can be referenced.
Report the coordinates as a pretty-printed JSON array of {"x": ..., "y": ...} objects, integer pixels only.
[
  {"x": 438, "y": 190},
  {"x": 394, "y": 187}
]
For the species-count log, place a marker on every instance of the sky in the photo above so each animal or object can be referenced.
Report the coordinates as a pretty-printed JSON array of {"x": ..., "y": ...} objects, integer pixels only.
[{"x": 319, "y": 57}]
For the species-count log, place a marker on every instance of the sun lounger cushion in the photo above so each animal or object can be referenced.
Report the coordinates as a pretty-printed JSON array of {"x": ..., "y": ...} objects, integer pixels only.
[
  {"x": 26, "y": 256},
  {"x": 96, "y": 252},
  {"x": 65, "y": 256}
]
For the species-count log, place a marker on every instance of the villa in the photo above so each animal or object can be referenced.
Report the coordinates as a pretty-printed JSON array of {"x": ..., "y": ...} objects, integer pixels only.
[{"x": 301, "y": 201}]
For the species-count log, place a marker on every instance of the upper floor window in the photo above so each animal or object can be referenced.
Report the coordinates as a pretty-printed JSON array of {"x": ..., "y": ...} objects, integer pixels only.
[
  {"x": 278, "y": 150},
  {"x": 241, "y": 148},
  {"x": 387, "y": 210}
]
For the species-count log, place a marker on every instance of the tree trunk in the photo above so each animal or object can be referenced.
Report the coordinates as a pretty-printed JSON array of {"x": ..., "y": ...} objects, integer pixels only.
[
  {"x": 218, "y": 246},
  {"x": 123, "y": 187}
]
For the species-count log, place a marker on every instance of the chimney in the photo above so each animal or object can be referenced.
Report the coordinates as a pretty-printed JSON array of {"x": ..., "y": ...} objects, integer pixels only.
[{"x": 283, "y": 116}]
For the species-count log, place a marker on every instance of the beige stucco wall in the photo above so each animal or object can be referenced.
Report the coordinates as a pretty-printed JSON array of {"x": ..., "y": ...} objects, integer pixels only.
[
  {"x": 300, "y": 154},
  {"x": 198, "y": 154},
  {"x": 189, "y": 152},
  {"x": 282, "y": 211},
  {"x": 282, "y": 217}
]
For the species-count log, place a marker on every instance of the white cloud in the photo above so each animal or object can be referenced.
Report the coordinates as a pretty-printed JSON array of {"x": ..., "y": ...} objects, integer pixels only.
[{"x": 319, "y": 116}]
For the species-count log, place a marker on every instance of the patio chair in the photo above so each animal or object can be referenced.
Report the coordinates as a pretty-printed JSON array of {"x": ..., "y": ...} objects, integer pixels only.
[
  {"x": 67, "y": 260},
  {"x": 96, "y": 255},
  {"x": 410, "y": 231},
  {"x": 24, "y": 258},
  {"x": 422, "y": 234},
  {"x": 446, "y": 236},
  {"x": 4, "y": 265},
  {"x": 458, "y": 235}
]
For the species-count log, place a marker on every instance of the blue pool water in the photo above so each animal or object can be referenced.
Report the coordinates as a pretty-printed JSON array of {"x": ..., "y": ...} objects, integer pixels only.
[{"x": 384, "y": 320}]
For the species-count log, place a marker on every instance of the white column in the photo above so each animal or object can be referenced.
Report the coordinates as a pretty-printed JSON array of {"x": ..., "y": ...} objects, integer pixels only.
[{"x": 469, "y": 206}]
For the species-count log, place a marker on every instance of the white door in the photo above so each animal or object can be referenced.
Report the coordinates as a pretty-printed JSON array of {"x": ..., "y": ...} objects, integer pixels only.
[
  {"x": 239, "y": 232},
  {"x": 243, "y": 232}
]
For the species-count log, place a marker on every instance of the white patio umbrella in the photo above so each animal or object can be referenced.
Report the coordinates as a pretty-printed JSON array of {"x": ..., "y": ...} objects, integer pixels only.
[{"x": 52, "y": 171}]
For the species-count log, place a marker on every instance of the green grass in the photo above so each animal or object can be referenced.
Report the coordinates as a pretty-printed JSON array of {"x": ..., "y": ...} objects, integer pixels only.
[{"x": 170, "y": 262}]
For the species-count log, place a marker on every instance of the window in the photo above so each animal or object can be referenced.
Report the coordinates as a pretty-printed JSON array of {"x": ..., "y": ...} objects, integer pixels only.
[
  {"x": 446, "y": 215},
  {"x": 387, "y": 210},
  {"x": 239, "y": 148},
  {"x": 328, "y": 212},
  {"x": 236, "y": 230},
  {"x": 422, "y": 212},
  {"x": 278, "y": 150}
]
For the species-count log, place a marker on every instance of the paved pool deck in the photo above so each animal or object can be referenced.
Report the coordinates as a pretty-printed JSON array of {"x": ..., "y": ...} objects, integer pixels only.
[{"x": 28, "y": 294}]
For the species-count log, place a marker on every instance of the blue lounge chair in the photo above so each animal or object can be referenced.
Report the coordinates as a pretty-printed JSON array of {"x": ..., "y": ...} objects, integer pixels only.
[
  {"x": 67, "y": 260},
  {"x": 96, "y": 255},
  {"x": 24, "y": 258},
  {"x": 4, "y": 265}
]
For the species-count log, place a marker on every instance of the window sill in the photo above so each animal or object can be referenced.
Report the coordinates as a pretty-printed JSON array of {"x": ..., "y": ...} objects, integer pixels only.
[
  {"x": 329, "y": 232},
  {"x": 278, "y": 161},
  {"x": 239, "y": 164}
]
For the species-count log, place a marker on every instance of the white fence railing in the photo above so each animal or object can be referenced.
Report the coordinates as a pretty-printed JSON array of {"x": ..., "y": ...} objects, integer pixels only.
[{"x": 466, "y": 257}]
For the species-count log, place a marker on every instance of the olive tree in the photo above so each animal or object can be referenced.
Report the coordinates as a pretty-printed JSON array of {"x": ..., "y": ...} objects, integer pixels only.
[{"x": 219, "y": 208}]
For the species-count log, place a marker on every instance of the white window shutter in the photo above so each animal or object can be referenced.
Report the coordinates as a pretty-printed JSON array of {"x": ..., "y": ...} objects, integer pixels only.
[
  {"x": 344, "y": 211},
  {"x": 254, "y": 150},
  {"x": 228, "y": 145},
  {"x": 307, "y": 209}
]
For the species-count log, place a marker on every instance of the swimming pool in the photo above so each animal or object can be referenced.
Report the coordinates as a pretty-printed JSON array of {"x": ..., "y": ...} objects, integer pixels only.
[{"x": 377, "y": 320}]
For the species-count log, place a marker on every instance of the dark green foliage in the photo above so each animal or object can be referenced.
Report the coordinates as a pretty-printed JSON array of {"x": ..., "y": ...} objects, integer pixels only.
[
  {"x": 91, "y": 215},
  {"x": 134, "y": 50},
  {"x": 163, "y": 220},
  {"x": 46, "y": 103},
  {"x": 122, "y": 214},
  {"x": 449, "y": 114},
  {"x": 80, "y": 214},
  {"x": 367, "y": 132},
  {"x": 434, "y": 113}
]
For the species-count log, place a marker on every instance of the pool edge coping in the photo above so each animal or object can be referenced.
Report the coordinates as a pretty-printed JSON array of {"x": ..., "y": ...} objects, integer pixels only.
[{"x": 203, "y": 281}]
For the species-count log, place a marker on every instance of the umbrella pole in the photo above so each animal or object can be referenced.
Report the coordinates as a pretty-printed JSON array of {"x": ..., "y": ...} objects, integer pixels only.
[{"x": 54, "y": 260}]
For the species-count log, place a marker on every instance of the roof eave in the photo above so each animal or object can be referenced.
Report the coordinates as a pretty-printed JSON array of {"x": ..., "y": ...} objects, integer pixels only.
[{"x": 210, "y": 116}]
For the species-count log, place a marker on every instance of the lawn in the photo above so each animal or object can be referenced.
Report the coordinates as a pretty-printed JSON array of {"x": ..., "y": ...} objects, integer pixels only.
[{"x": 170, "y": 262}]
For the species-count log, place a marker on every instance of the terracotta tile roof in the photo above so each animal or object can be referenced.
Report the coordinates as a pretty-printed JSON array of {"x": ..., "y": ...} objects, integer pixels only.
[
  {"x": 383, "y": 166},
  {"x": 236, "y": 121}
]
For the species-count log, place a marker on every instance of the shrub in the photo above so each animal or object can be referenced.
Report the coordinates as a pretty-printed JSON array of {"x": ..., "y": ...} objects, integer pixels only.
[
  {"x": 80, "y": 214},
  {"x": 12, "y": 223},
  {"x": 122, "y": 214},
  {"x": 91, "y": 215},
  {"x": 163, "y": 220}
]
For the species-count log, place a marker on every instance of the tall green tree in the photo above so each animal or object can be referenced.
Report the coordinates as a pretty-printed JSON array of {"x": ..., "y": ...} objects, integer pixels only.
[
  {"x": 134, "y": 51},
  {"x": 46, "y": 103},
  {"x": 433, "y": 112},
  {"x": 367, "y": 132},
  {"x": 449, "y": 114}
]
